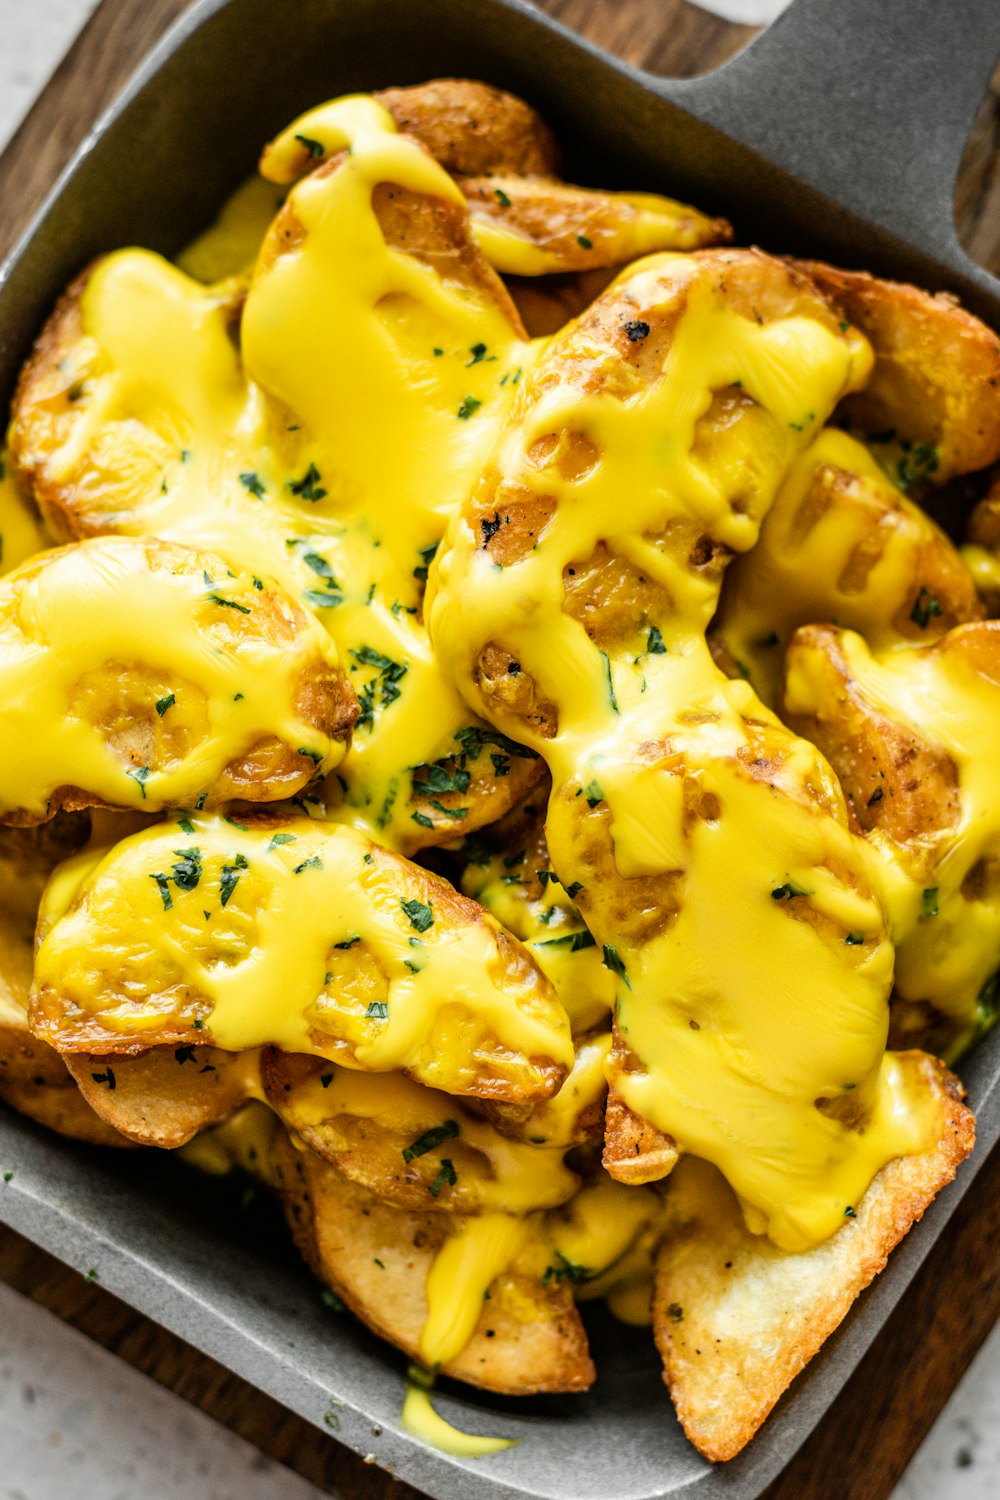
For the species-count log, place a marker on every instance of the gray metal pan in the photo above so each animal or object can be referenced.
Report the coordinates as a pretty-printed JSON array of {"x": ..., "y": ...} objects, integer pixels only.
[{"x": 838, "y": 133}]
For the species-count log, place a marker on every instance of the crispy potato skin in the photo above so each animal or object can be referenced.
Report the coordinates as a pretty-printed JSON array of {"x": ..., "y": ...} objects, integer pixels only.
[
  {"x": 892, "y": 778},
  {"x": 35, "y": 1082},
  {"x": 736, "y": 1319},
  {"x": 474, "y": 129},
  {"x": 529, "y": 1338},
  {"x": 164, "y": 1096},
  {"x": 937, "y": 368}
]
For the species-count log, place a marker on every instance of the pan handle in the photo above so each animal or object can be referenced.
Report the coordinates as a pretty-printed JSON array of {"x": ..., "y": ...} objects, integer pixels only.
[{"x": 869, "y": 101}]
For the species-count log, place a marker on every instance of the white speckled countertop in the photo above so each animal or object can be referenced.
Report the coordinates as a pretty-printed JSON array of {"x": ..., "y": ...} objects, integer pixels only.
[{"x": 76, "y": 1422}]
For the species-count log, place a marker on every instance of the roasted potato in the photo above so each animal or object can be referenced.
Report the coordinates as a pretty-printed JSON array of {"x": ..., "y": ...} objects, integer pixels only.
[
  {"x": 369, "y": 960},
  {"x": 147, "y": 675}
]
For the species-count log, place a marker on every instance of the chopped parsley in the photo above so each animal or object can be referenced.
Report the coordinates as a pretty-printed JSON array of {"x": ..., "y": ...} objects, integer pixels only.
[
  {"x": 163, "y": 886},
  {"x": 584, "y": 243},
  {"x": 926, "y": 608},
  {"x": 566, "y": 1270},
  {"x": 574, "y": 941},
  {"x": 918, "y": 463},
  {"x": 244, "y": 609},
  {"x": 613, "y": 962},
  {"x": 610, "y": 682},
  {"x": 314, "y": 147},
  {"x": 230, "y": 877},
  {"x": 309, "y": 487},
  {"x": 430, "y": 1140},
  {"x": 501, "y": 197},
  {"x": 251, "y": 481},
  {"x": 312, "y": 863},
  {"x": 875, "y": 797},
  {"x": 435, "y": 778},
  {"x": 162, "y": 704},
  {"x": 383, "y": 688},
  {"x": 428, "y": 554},
  {"x": 593, "y": 794},
  {"x": 447, "y": 1174},
  {"x": 787, "y": 891},
  {"x": 378, "y": 1010},
  {"x": 854, "y": 939},
  {"x": 107, "y": 1077},
  {"x": 574, "y": 889},
  {"x": 654, "y": 642},
  {"x": 929, "y": 903},
  {"x": 280, "y": 838},
  {"x": 140, "y": 776},
  {"x": 468, "y": 406},
  {"x": 478, "y": 352},
  {"x": 421, "y": 916},
  {"x": 187, "y": 871}
]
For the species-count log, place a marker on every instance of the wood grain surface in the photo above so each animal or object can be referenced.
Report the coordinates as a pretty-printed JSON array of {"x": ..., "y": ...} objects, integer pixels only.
[{"x": 866, "y": 1439}]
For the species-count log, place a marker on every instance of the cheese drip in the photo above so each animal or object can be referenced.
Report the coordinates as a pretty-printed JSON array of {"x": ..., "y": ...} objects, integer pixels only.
[
  {"x": 303, "y": 935},
  {"x": 21, "y": 531},
  {"x": 141, "y": 672},
  {"x": 328, "y": 458},
  {"x": 944, "y": 893},
  {"x": 718, "y": 874}
]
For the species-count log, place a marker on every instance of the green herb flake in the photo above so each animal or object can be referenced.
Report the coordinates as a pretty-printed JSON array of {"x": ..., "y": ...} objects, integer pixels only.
[
  {"x": 140, "y": 776},
  {"x": 309, "y": 487},
  {"x": 163, "y": 886},
  {"x": 613, "y": 962},
  {"x": 574, "y": 889},
  {"x": 610, "y": 682},
  {"x": 584, "y": 242},
  {"x": 251, "y": 482},
  {"x": 420, "y": 916},
  {"x": 188, "y": 870},
  {"x": 929, "y": 903},
  {"x": 430, "y": 1140},
  {"x": 926, "y": 608},
  {"x": 654, "y": 642},
  {"x": 314, "y": 147},
  {"x": 331, "y": 1301},
  {"x": 447, "y": 1174},
  {"x": 787, "y": 891},
  {"x": 574, "y": 941},
  {"x": 593, "y": 794},
  {"x": 854, "y": 939},
  {"x": 277, "y": 839},
  {"x": 468, "y": 407},
  {"x": 230, "y": 877},
  {"x": 378, "y": 1010},
  {"x": 91, "y": 1274},
  {"x": 501, "y": 197},
  {"x": 312, "y": 863},
  {"x": 107, "y": 1077},
  {"x": 849, "y": 1212},
  {"x": 478, "y": 352},
  {"x": 162, "y": 704},
  {"x": 244, "y": 609}
]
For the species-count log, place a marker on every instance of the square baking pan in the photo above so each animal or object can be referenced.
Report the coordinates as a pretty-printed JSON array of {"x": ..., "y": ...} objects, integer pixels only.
[{"x": 837, "y": 133}]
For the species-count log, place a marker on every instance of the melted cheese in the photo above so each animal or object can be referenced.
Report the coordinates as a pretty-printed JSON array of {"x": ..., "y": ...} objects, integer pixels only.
[
  {"x": 742, "y": 1011},
  {"x": 384, "y": 380},
  {"x": 245, "y": 1141},
  {"x": 293, "y": 934},
  {"x": 21, "y": 531},
  {"x": 949, "y": 696},
  {"x": 849, "y": 555},
  {"x": 108, "y": 631},
  {"x": 420, "y": 1418}
]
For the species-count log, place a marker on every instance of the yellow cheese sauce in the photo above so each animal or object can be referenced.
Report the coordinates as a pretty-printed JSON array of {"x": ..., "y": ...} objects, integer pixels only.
[
  {"x": 420, "y": 1418},
  {"x": 766, "y": 990},
  {"x": 301, "y": 934},
  {"x": 21, "y": 531},
  {"x": 122, "y": 668},
  {"x": 840, "y": 543},
  {"x": 329, "y": 457},
  {"x": 945, "y": 916}
]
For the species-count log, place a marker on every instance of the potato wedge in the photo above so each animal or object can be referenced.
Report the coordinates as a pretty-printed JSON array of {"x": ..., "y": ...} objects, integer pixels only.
[
  {"x": 936, "y": 382},
  {"x": 165, "y": 1096},
  {"x": 736, "y": 1319},
  {"x": 33, "y": 1077},
  {"x": 528, "y": 1338},
  {"x": 350, "y": 952},
  {"x": 474, "y": 129},
  {"x": 840, "y": 544},
  {"x": 911, "y": 736},
  {"x": 146, "y": 675}
]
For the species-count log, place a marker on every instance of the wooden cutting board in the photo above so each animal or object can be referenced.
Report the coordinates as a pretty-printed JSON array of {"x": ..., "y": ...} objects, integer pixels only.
[{"x": 863, "y": 1444}]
